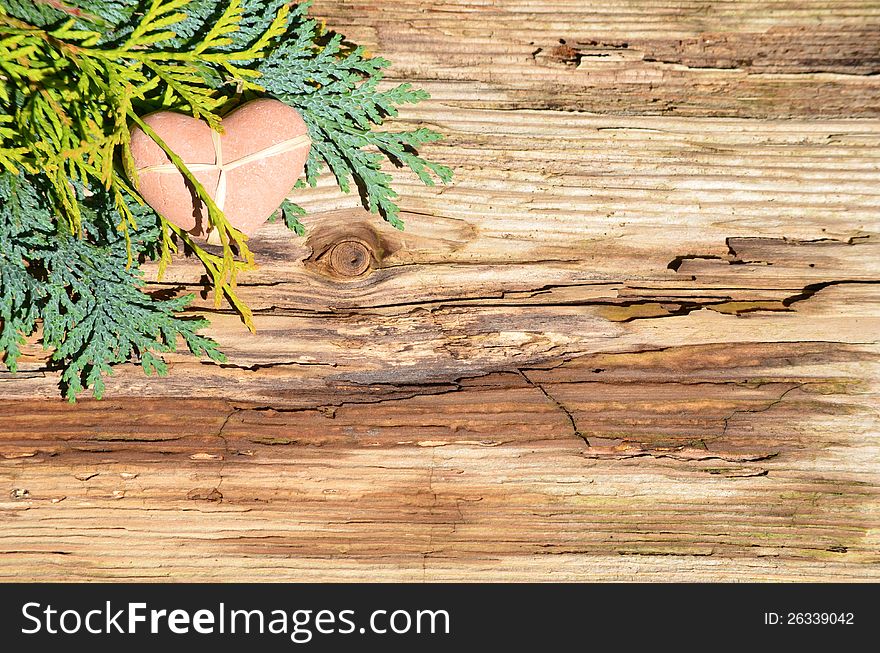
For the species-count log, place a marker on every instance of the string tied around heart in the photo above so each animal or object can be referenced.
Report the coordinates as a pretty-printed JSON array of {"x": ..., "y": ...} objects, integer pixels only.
[{"x": 225, "y": 166}]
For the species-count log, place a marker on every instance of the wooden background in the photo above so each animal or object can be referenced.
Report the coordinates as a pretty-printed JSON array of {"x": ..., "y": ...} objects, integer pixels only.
[{"x": 637, "y": 337}]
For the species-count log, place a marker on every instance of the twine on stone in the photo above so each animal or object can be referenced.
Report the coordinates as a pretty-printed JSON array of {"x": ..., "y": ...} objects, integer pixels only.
[{"x": 224, "y": 167}]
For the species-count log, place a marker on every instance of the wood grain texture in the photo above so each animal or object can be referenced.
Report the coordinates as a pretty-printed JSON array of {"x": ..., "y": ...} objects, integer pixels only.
[{"x": 636, "y": 339}]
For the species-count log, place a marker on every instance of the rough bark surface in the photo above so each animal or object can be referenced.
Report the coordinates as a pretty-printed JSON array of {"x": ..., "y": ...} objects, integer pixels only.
[{"x": 637, "y": 338}]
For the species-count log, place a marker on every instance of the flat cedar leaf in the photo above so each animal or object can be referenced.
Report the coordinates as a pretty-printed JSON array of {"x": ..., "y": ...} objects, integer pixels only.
[
  {"x": 92, "y": 306},
  {"x": 152, "y": 364},
  {"x": 292, "y": 213}
]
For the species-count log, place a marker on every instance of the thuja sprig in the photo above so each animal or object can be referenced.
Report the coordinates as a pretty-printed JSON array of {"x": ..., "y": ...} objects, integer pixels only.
[
  {"x": 75, "y": 75},
  {"x": 337, "y": 89}
]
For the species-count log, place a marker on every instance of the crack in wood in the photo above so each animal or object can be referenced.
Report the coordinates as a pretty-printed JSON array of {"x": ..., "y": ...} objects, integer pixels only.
[
  {"x": 263, "y": 366},
  {"x": 771, "y": 405},
  {"x": 558, "y": 405}
]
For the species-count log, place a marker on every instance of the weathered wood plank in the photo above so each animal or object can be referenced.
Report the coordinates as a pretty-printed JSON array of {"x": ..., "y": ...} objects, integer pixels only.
[
  {"x": 714, "y": 462},
  {"x": 742, "y": 58},
  {"x": 571, "y": 267},
  {"x": 637, "y": 338}
]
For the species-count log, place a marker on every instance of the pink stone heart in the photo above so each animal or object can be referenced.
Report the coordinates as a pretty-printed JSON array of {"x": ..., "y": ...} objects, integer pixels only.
[{"x": 248, "y": 170}]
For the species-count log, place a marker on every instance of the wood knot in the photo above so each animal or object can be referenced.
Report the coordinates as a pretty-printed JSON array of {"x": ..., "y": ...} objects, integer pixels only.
[
  {"x": 346, "y": 250},
  {"x": 349, "y": 258}
]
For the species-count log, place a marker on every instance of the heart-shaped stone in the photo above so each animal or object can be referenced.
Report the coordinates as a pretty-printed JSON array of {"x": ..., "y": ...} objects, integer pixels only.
[{"x": 248, "y": 170}]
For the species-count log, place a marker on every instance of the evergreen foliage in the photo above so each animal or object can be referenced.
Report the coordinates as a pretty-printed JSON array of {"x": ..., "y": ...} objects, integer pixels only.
[{"x": 75, "y": 75}]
